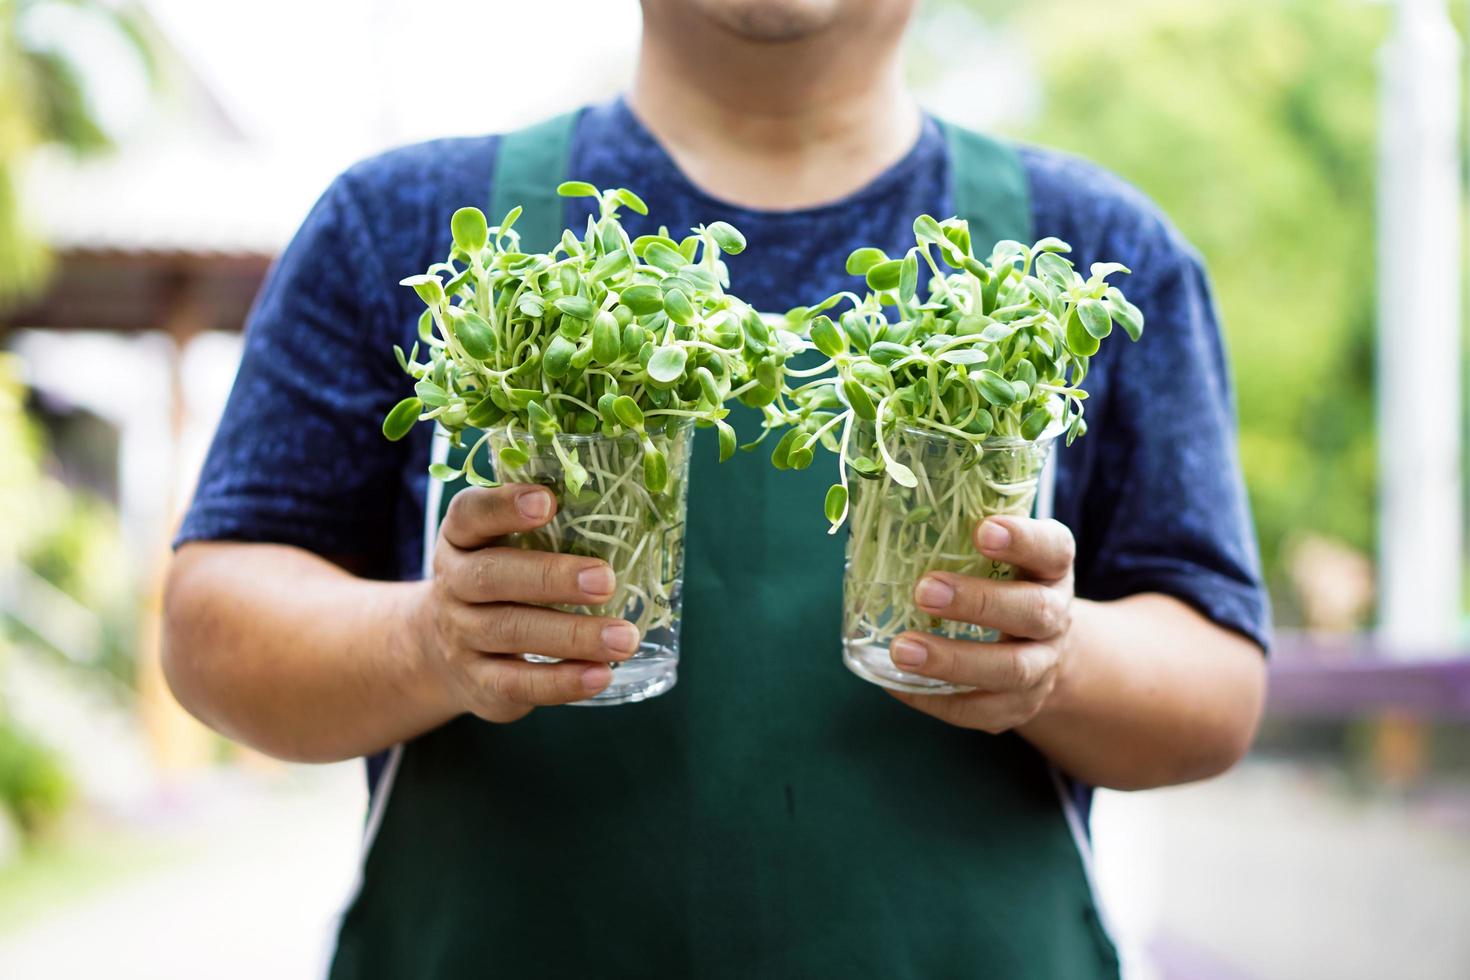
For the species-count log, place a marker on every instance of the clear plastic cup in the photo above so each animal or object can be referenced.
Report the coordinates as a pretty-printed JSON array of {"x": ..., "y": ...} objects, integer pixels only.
[
  {"x": 898, "y": 533},
  {"x": 614, "y": 518}
]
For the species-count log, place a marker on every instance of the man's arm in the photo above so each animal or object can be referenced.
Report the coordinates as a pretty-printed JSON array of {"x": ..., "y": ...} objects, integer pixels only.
[
  {"x": 1130, "y": 694},
  {"x": 1154, "y": 694},
  {"x": 280, "y": 649}
]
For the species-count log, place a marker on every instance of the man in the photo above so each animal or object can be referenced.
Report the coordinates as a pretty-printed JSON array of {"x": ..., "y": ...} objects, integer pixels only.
[{"x": 771, "y": 816}]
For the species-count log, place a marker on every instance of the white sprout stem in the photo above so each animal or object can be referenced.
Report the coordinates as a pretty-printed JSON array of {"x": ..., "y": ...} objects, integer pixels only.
[
  {"x": 615, "y": 518},
  {"x": 897, "y": 533}
]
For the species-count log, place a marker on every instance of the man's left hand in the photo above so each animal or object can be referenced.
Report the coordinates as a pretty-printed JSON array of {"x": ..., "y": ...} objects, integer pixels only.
[{"x": 1013, "y": 678}]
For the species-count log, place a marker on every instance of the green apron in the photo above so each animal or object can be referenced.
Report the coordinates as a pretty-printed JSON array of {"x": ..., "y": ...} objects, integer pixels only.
[{"x": 772, "y": 816}]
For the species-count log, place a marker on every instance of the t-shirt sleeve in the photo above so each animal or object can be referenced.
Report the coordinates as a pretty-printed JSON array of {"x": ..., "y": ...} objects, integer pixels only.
[
  {"x": 1170, "y": 512},
  {"x": 299, "y": 457}
]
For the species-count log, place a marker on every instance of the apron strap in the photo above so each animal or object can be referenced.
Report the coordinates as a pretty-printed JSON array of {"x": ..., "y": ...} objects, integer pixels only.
[
  {"x": 989, "y": 186},
  {"x": 529, "y": 165}
]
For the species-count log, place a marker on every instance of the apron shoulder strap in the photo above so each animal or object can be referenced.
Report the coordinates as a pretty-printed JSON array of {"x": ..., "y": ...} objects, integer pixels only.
[
  {"x": 529, "y": 165},
  {"x": 989, "y": 186}
]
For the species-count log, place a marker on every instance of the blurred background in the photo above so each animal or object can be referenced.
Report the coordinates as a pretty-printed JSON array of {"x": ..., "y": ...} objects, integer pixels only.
[{"x": 155, "y": 155}]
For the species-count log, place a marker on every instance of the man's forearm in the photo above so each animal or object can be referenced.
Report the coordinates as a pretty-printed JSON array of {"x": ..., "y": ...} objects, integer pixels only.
[
  {"x": 282, "y": 650},
  {"x": 1152, "y": 694}
]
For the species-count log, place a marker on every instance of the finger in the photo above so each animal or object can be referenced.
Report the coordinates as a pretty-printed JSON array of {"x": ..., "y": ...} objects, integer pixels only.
[
  {"x": 1044, "y": 549},
  {"x": 515, "y": 629},
  {"x": 479, "y": 515},
  {"x": 994, "y": 667},
  {"x": 1025, "y": 609},
  {"x": 514, "y": 681},
  {"x": 519, "y": 575}
]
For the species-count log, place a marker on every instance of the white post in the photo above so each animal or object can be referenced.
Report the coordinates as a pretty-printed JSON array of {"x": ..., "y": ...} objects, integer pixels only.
[{"x": 1419, "y": 303}]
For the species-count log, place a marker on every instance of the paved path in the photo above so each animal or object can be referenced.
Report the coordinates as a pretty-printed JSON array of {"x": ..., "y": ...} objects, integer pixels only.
[
  {"x": 253, "y": 872},
  {"x": 1277, "y": 872},
  {"x": 1271, "y": 873}
]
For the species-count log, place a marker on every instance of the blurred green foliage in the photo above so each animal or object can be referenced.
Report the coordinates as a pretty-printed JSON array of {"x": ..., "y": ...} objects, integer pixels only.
[
  {"x": 70, "y": 541},
  {"x": 67, "y": 538},
  {"x": 1253, "y": 124},
  {"x": 44, "y": 99},
  {"x": 34, "y": 786}
]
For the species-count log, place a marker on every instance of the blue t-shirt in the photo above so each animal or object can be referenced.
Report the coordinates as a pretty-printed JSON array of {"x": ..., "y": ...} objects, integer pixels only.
[{"x": 1153, "y": 493}]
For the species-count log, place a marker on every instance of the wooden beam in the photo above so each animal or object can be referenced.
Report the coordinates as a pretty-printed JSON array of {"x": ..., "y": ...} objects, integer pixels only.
[{"x": 133, "y": 292}]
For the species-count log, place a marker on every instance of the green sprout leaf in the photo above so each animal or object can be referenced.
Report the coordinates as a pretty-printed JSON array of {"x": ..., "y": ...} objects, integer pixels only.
[
  {"x": 678, "y": 307},
  {"x": 606, "y": 338},
  {"x": 474, "y": 334},
  {"x": 964, "y": 355},
  {"x": 401, "y": 418},
  {"x": 927, "y": 231},
  {"x": 469, "y": 230},
  {"x": 885, "y": 275},
  {"x": 835, "y": 506},
  {"x": 643, "y": 299},
  {"x": 610, "y": 265},
  {"x": 1079, "y": 339},
  {"x": 863, "y": 259},
  {"x": 430, "y": 288},
  {"x": 901, "y": 474},
  {"x": 727, "y": 439},
  {"x": 628, "y": 412},
  {"x": 780, "y": 454},
  {"x": 1035, "y": 423},
  {"x": 578, "y": 306},
  {"x": 513, "y": 456},
  {"x": 1095, "y": 319},
  {"x": 995, "y": 389},
  {"x": 576, "y": 188},
  {"x": 630, "y": 200},
  {"x": 557, "y": 361},
  {"x": 655, "y": 470},
  {"x": 730, "y": 240},
  {"x": 858, "y": 398},
  {"x": 1101, "y": 270},
  {"x": 667, "y": 364},
  {"x": 431, "y": 394},
  {"x": 1128, "y": 316},
  {"x": 708, "y": 386},
  {"x": 666, "y": 258},
  {"x": 828, "y": 336},
  {"x": 1054, "y": 269}
]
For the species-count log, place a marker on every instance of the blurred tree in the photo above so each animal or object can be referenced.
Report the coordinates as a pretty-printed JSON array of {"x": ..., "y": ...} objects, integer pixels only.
[
  {"x": 34, "y": 787},
  {"x": 43, "y": 99},
  {"x": 1253, "y": 125},
  {"x": 65, "y": 542}
]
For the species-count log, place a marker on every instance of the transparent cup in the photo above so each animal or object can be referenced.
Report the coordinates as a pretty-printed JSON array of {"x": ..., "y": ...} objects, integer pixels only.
[
  {"x": 615, "y": 518},
  {"x": 898, "y": 533}
]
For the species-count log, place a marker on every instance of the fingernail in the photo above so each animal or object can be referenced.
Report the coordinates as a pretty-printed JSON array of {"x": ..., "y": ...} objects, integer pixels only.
[
  {"x": 933, "y": 593},
  {"x": 595, "y": 678},
  {"x": 534, "y": 505},
  {"x": 994, "y": 536},
  {"x": 620, "y": 637},
  {"x": 908, "y": 653},
  {"x": 597, "y": 580}
]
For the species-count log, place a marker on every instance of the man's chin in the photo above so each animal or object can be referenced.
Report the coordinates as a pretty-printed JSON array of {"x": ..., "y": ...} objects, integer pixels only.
[{"x": 773, "y": 21}]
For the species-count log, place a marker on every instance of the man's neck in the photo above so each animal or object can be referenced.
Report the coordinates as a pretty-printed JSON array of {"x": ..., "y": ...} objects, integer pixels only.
[{"x": 774, "y": 126}]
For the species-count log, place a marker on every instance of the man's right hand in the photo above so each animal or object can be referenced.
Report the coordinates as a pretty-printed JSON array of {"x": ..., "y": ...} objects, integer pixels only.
[{"x": 486, "y": 605}]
